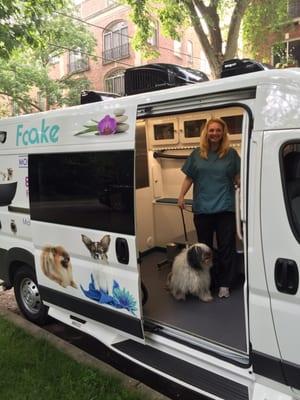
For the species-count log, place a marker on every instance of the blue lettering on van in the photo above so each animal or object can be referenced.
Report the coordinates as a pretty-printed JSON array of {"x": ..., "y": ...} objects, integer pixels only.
[{"x": 43, "y": 135}]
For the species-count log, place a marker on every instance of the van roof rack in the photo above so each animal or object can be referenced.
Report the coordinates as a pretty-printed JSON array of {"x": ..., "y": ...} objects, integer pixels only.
[
  {"x": 91, "y": 96},
  {"x": 150, "y": 77},
  {"x": 238, "y": 66}
]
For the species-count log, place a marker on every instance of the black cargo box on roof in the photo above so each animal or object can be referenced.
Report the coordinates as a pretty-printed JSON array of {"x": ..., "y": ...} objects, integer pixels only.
[
  {"x": 149, "y": 77},
  {"x": 91, "y": 96},
  {"x": 238, "y": 66}
]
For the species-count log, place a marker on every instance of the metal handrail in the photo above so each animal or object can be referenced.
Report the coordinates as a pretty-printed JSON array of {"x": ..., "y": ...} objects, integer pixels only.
[{"x": 238, "y": 213}]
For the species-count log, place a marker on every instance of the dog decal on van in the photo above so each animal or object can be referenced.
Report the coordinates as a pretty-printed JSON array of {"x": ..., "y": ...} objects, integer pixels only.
[
  {"x": 97, "y": 249},
  {"x": 56, "y": 265}
]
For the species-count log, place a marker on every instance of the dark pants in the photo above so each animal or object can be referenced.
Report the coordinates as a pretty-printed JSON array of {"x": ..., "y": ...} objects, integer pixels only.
[{"x": 223, "y": 224}]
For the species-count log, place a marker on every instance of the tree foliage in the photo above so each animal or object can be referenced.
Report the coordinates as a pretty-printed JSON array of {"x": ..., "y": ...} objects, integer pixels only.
[
  {"x": 217, "y": 23},
  {"x": 264, "y": 19},
  {"x": 25, "y": 72},
  {"x": 204, "y": 16},
  {"x": 21, "y": 21}
]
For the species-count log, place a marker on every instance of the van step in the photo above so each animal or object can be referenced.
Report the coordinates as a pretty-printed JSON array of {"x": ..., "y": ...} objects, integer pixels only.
[{"x": 200, "y": 378}]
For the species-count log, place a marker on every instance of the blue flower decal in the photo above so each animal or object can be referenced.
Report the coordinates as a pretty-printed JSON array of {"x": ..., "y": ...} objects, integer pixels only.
[
  {"x": 120, "y": 298},
  {"x": 123, "y": 298}
]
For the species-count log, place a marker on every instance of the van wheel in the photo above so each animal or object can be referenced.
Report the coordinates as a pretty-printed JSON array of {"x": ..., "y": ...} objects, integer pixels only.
[
  {"x": 28, "y": 296},
  {"x": 144, "y": 294}
]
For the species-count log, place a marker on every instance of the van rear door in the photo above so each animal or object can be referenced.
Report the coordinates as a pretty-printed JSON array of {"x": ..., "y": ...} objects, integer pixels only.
[{"x": 280, "y": 222}]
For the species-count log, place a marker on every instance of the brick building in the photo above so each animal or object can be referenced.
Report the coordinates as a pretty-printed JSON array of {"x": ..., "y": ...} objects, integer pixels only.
[
  {"x": 289, "y": 38},
  {"x": 110, "y": 24}
]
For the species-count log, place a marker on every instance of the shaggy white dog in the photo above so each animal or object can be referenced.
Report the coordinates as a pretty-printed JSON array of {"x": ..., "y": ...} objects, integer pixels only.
[{"x": 191, "y": 273}]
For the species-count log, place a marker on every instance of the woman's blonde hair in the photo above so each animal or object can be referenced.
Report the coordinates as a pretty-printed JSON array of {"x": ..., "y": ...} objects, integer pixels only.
[{"x": 204, "y": 145}]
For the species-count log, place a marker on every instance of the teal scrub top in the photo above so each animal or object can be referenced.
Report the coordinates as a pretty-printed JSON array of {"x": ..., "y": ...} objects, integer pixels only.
[{"x": 213, "y": 180}]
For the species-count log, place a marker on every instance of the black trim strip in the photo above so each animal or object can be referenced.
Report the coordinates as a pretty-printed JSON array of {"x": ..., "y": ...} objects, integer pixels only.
[
  {"x": 120, "y": 321},
  {"x": 20, "y": 210},
  {"x": 278, "y": 370},
  {"x": 198, "y": 377},
  {"x": 292, "y": 373},
  {"x": 268, "y": 366}
]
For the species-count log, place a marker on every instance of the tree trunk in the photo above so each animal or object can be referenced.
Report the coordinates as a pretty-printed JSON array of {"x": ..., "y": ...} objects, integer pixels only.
[{"x": 212, "y": 44}]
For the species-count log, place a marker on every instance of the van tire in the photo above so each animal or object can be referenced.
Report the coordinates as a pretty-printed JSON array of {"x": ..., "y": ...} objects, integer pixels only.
[{"x": 28, "y": 296}]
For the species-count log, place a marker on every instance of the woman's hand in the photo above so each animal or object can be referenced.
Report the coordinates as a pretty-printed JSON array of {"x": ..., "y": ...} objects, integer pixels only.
[
  {"x": 181, "y": 203},
  {"x": 186, "y": 184}
]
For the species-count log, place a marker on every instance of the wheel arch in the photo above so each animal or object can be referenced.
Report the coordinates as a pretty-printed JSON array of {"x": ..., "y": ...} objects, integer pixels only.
[{"x": 15, "y": 258}]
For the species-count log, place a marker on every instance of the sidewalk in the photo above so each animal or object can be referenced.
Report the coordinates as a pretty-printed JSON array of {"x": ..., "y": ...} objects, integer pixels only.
[{"x": 9, "y": 310}]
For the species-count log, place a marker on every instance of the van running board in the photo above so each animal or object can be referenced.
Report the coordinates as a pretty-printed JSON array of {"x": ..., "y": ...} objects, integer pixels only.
[{"x": 200, "y": 378}]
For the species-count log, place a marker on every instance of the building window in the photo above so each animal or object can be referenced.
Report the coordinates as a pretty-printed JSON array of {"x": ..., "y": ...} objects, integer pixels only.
[
  {"x": 177, "y": 48},
  {"x": 153, "y": 40},
  {"x": 287, "y": 54},
  {"x": 114, "y": 83},
  {"x": 77, "y": 61},
  {"x": 54, "y": 60},
  {"x": 189, "y": 51},
  {"x": 115, "y": 43},
  {"x": 294, "y": 9}
]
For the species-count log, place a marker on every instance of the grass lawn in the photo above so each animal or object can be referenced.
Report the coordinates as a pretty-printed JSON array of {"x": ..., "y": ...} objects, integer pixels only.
[{"x": 31, "y": 369}]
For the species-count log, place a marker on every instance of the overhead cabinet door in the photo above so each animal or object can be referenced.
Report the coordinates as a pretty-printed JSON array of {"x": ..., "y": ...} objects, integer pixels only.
[
  {"x": 280, "y": 221},
  {"x": 82, "y": 212}
]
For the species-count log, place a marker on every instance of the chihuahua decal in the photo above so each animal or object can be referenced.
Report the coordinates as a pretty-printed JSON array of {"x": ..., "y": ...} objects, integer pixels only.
[{"x": 97, "y": 249}]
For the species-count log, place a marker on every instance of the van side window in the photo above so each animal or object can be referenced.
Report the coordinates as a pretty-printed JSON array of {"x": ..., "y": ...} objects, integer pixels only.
[
  {"x": 291, "y": 176},
  {"x": 92, "y": 190}
]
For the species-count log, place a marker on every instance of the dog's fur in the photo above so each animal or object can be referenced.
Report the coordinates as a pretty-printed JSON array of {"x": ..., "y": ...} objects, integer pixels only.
[
  {"x": 8, "y": 175},
  {"x": 56, "y": 265},
  {"x": 97, "y": 248},
  {"x": 191, "y": 273}
]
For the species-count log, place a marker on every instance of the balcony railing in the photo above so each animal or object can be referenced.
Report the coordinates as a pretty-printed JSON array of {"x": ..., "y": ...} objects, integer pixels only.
[
  {"x": 79, "y": 65},
  {"x": 115, "y": 53}
]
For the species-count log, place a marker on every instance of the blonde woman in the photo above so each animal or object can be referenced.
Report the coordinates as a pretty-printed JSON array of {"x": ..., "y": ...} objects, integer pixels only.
[{"x": 213, "y": 169}]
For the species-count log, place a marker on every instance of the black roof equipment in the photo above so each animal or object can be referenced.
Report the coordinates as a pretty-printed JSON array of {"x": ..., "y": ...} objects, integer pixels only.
[
  {"x": 91, "y": 96},
  {"x": 150, "y": 77},
  {"x": 238, "y": 66}
]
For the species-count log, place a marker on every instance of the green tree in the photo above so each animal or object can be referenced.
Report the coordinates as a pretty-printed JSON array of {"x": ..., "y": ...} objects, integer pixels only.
[
  {"x": 262, "y": 25},
  {"x": 24, "y": 74},
  {"x": 21, "y": 21},
  {"x": 218, "y": 39}
]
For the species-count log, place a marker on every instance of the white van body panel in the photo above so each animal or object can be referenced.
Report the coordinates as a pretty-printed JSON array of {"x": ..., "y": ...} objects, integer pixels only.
[{"x": 279, "y": 242}]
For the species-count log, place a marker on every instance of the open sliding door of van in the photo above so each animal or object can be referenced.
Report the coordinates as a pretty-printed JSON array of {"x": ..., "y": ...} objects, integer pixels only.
[
  {"x": 280, "y": 220},
  {"x": 83, "y": 226}
]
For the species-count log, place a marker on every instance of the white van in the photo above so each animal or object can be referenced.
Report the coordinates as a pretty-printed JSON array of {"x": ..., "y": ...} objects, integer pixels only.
[{"x": 88, "y": 206}]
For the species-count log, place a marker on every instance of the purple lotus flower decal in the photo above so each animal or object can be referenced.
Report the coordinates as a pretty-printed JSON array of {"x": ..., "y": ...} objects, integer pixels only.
[{"x": 107, "y": 125}]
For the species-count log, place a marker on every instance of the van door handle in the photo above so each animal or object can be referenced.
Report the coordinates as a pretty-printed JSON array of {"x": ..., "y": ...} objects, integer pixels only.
[
  {"x": 122, "y": 250},
  {"x": 286, "y": 276}
]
